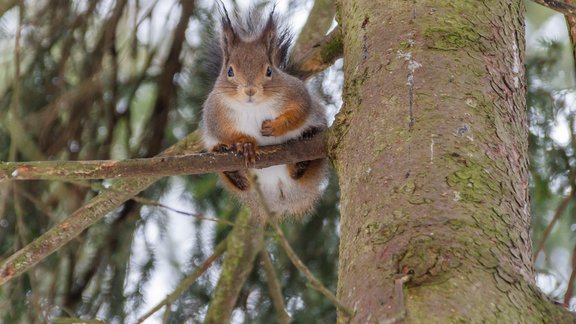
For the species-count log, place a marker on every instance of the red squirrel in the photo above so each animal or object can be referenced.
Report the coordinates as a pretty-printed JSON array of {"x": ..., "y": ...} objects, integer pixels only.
[{"x": 255, "y": 102}]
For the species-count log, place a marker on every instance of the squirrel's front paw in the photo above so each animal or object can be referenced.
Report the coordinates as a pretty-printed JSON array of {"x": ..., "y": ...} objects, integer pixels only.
[
  {"x": 221, "y": 148},
  {"x": 247, "y": 150},
  {"x": 267, "y": 128}
]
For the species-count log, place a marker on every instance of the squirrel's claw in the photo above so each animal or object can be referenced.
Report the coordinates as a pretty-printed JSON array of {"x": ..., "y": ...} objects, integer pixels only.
[
  {"x": 267, "y": 129},
  {"x": 247, "y": 150}
]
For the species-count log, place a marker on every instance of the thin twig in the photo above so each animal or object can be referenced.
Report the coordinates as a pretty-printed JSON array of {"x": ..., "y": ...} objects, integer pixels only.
[
  {"x": 187, "y": 282},
  {"x": 274, "y": 288},
  {"x": 150, "y": 202},
  {"x": 550, "y": 226},
  {"x": 314, "y": 282},
  {"x": 557, "y": 215}
]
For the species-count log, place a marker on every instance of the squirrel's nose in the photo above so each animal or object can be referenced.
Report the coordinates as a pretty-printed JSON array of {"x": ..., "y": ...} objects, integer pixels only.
[{"x": 250, "y": 91}]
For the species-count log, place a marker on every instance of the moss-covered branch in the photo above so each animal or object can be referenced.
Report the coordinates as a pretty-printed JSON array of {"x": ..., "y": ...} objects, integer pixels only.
[
  {"x": 244, "y": 244},
  {"x": 317, "y": 25},
  {"x": 321, "y": 55}
]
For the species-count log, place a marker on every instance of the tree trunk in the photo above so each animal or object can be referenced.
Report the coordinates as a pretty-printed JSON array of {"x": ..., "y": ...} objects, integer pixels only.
[{"x": 431, "y": 151}]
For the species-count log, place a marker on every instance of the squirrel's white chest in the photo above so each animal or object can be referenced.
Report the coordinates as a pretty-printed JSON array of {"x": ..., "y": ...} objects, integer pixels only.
[{"x": 248, "y": 119}]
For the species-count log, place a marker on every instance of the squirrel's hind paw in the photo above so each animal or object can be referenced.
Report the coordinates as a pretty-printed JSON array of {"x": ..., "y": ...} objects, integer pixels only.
[
  {"x": 309, "y": 133},
  {"x": 237, "y": 179}
]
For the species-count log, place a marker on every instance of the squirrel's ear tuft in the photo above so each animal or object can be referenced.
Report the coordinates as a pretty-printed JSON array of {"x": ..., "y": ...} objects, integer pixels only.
[
  {"x": 269, "y": 38},
  {"x": 229, "y": 36}
]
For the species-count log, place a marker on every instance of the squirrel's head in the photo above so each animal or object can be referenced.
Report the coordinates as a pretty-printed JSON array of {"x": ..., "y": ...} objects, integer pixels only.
[{"x": 252, "y": 59}]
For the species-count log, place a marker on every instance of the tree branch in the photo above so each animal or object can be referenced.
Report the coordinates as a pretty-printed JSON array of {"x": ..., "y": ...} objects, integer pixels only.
[
  {"x": 198, "y": 163},
  {"x": 244, "y": 243},
  {"x": 561, "y": 7},
  {"x": 98, "y": 207},
  {"x": 559, "y": 210},
  {"x": 166, "y": 85},
  {"x": 155, "y": 203},
  {"x": 570, "y": 287},
  {"x": 7, "y": 5},
  {"x": 142, "y": 173},
  {"x": 323, "y": 54},
  {"x": 317, "y": 25},
  {"x": 314, "y": 282}
]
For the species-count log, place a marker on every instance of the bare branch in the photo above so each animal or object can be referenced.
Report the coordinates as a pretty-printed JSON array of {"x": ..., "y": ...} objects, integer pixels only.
[
  {"x": 314, "y": 282},
  {"x": 557, "y": 5},
  {"x": 198, "y": 163},
  {"x": 154, "y": 203},
  {"x": 563, "y": 205},
  {"x": 317, "y": 25}
]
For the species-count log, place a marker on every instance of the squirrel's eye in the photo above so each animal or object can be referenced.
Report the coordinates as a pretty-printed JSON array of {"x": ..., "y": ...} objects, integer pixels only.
[
  {"x": 230, "y": 72},
  {"x": 269, "y": 72}
]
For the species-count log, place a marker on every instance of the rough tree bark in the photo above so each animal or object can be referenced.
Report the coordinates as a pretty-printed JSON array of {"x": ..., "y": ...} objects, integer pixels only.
[{"x": 431, "y": 152}]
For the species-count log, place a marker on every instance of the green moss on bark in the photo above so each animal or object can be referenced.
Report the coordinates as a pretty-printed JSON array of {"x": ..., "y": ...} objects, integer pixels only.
[{"x": 451, "y": 37}]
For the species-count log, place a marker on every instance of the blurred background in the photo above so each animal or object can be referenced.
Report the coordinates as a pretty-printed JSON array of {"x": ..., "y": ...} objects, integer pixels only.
[
  {"x": 100, "y": 79},
  {"x": 552, "y": 109}
]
